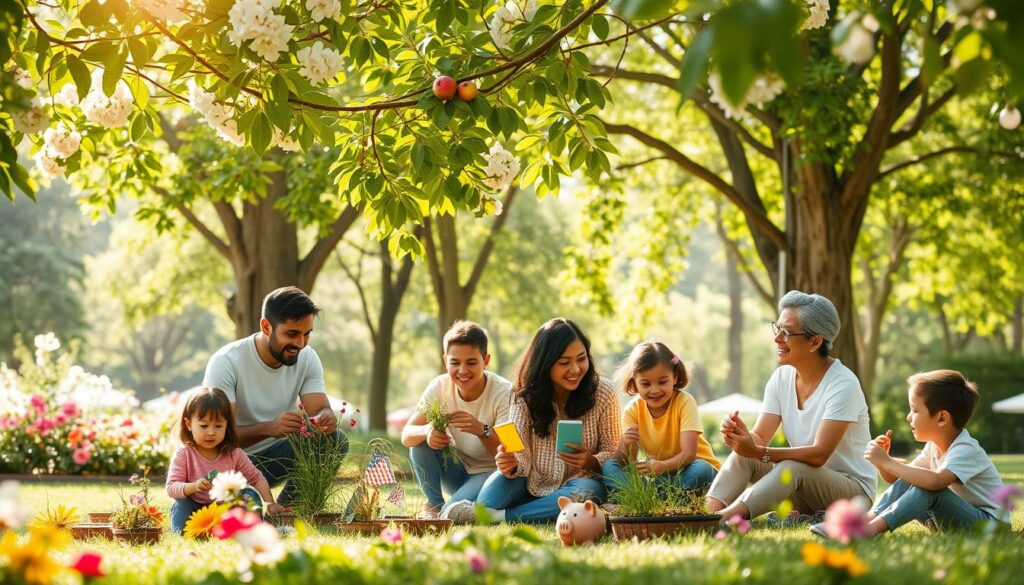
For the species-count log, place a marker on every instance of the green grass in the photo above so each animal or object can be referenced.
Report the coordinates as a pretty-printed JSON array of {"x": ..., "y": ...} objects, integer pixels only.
[{"x": 764, "y": 555}]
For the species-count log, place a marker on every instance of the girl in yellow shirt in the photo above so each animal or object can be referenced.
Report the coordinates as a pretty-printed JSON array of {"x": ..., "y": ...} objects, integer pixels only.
[{"x": 662, "y": 420}]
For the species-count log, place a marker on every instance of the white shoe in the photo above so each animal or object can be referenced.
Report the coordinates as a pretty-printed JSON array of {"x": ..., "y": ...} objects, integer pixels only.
[{"x": 460, "y": 512}]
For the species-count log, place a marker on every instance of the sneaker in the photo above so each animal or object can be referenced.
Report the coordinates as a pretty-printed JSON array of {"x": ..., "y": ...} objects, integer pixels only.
[
  {"x": 794, "y": 519},
  {"x": 460, "y": 512},
  {"x": 819, "y": 530}
]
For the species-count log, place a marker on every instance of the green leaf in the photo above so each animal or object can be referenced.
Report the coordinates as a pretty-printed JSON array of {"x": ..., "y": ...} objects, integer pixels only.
[
  {"x": 139, "y": 51},
  {"x": 94, "y": 14},
  {"x": 80, "y": 75},
  {"x": 140, "y": 91},
  {"x": 99, "y": 52},
  {"x": 261, "y": 133},
  {"x": 932, "y": 65},
  {"x": 643, "y": 9},
  {"x": 600, "y": 27},
  {"x": 972, "y": 75},
  {"x": 138, "y": 128},
  {"x": 527, "y": 534},
  {"x": 113, "y": 71}
]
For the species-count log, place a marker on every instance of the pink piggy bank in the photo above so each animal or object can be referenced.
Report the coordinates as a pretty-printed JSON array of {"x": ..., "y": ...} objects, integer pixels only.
[{"x": 579, "y": 523}]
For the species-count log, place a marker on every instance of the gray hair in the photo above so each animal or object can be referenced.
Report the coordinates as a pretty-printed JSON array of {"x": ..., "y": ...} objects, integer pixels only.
[{"x": 817, "y": 315}]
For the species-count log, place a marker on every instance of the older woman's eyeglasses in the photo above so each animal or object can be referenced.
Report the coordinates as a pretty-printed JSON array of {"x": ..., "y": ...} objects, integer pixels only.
[{"x": 786, "y": 334}]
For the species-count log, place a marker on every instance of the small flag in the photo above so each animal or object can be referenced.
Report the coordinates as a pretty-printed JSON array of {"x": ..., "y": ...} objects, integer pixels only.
[
  {"x": 397, "y": 496},
  {"x": 378, "y": 472}
]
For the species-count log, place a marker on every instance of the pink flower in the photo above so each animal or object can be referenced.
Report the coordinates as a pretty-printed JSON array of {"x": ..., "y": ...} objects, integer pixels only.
[
  {"x": 739, "y": 523},
  {"x": 69, "y": 409},
  {"x": 234, "y": 520},
  {"x": 60, "y": 419},
  {"x": 352, "y": 423},
  {"x": 81, "y": 456},
  {"x": 477, "y": 561},
  {"x": 137, "y": 500},
  {"x": 720, "y": 535},
  {"x": 847, "y": 520},
  {"x": 126, "y": 422},
  {"x": 38, "y": 403},
  {"x": 392, "y": 535},
  {"x": 1005, "y": 496},
  {"x": 88, "y": 565}
]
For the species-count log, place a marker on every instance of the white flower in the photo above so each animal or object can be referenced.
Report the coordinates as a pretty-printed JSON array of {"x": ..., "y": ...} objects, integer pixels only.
[
  {"x": 319, "y": 63},
  {"x": 227, "y": 485},
  {"x": 166, "y": 10},
  {"x": 261, "y": 543},
  {"x": 12, "y": 515},
  {"x": 219, "y": 116},
  {"x": 859, "y": 44},
  {"x": 47, "y": 342},
  {"x": 955, "y": 7},
  {"x": 764, "y": 89},
  {"x": 67, "y": 96},
  {"x": 1009, "y": 118},
  {"x": 285, "y": 142},
  {"x": 817, "y": 14},
  {"x": 52, "y": 169},
  {"x": 505, "y": 17},
  {"x": 321, "y": 9},
  {"x": 501, "y": 168},
  {"x": 254, "y": 20},
  {"x": 61, "y": 142},
  {"x": 107, "y": 111},
  {"x": 33, "y": 120},
  {"x": 273, "y": 39},
  {"x": 21, "y": 77}
]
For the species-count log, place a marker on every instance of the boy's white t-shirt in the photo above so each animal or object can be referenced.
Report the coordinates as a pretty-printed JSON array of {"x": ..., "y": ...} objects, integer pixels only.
[
  {"x": 838, "y": 397},
  {"x": 977, "y": 475},
  {"x": 490, "y": 408},
  {"x": 261, "y": 393}
]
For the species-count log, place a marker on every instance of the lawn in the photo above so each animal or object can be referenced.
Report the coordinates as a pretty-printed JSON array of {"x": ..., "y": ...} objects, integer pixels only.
[{"x": 762, "y": 555}]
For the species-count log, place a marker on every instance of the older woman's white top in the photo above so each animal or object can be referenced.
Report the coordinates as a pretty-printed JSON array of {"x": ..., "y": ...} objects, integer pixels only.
[{"x": 838, "y": 397}]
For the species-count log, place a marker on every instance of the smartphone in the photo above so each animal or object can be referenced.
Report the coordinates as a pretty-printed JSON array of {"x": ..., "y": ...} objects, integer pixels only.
[
  {"x": 569, "y": 431},
  {"x": 508, "y": 434}
]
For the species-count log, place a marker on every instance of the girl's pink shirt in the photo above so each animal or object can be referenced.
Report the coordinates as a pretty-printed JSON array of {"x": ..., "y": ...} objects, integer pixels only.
[{"x": 188, "y": 465}]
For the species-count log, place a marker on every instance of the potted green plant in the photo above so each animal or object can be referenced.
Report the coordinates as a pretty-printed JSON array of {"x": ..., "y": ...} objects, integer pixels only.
[
  {"x": 318, "y": 455},
  {"x": 137, "y": 521},
  {"x": 647, "y": 508}
]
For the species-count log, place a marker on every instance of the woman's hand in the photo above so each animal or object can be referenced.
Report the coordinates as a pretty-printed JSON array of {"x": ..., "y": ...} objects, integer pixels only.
[
  {"x": 581, "y": 459},
  {"x": 506, "y": 462},
  {"x": 737, "y": 436}
]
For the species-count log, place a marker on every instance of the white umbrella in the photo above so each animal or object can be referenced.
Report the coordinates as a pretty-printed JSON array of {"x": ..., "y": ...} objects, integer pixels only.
[
  {"x": 731, "y": 403},
  {"x": 1014, "y": 404}
]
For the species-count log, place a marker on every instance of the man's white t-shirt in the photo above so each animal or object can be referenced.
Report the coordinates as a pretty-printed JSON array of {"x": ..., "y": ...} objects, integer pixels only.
[
  {"x": 977, "y": 475},
  {"x": 490, "y": 408},
  {"x": 838, "y": 397},
  {"x": 261, "y": 393}
]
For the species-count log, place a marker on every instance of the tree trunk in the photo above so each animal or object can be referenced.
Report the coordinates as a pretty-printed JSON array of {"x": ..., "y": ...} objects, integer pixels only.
[
  {"x": 392, "y": 288},
  {"x": 1018, "y": 327},
  {"x": 734, "y": 381}
]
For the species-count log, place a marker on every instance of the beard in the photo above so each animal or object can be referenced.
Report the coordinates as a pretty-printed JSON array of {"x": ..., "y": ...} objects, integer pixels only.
[{"x": 280, "y": 356}]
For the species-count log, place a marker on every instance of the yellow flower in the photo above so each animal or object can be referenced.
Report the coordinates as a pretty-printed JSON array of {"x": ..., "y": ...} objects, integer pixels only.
[
  {"x": 813, "y": 553},
  {"x": 47, "y": 537},
  {"x": 60, "y": 518},
  {"x": 202, "y": 522},
  {"x": 857, "y": 567},
  {"x": 31, "y": 559}
]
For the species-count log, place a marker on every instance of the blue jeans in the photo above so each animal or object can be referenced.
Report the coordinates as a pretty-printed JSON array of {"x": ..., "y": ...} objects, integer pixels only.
[
  {"x": 698, "y": 475},
  {"x": 433, "y": 474},
  {"x": 183, "y": 508},
  {"x": 903, "y": 502},
  {"x": 276, "y": 463},
  {"x": 511, "y": 495}
]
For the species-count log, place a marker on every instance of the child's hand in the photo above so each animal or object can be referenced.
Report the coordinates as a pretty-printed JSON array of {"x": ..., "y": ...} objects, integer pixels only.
[
  {"x": 630, "y": 436},
  {"x": 884, "y": 441},
  {"x": 275, "y": 509},
  {"x": 876, "y": 454},
  {"x": 579, "y": 459},
  {"x": 202, "y": 485},
  {"x": 506, "y": 462},
  {"x": 649, "y": 467},
  {"x": 437, "y": 440}
]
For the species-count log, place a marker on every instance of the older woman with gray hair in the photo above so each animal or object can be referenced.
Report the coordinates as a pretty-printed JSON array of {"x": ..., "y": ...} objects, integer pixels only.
[{"x": 820, "y": 406}]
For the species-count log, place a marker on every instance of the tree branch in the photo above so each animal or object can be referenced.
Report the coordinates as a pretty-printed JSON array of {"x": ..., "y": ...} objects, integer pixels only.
[
  {"x": 359, "y": 288},
  {"x": 433, "y": 266},
  {"x": 310, "y": 266},
  {"x": 485, "y": 251},
  {"x": 924, "y": 111},
  {"x": 944, "y": 151},
  {"x": 214, "y": 240}
]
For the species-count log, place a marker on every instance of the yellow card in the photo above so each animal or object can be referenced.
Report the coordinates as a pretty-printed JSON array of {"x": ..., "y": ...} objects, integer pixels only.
[{"x": 508, "y": 434}]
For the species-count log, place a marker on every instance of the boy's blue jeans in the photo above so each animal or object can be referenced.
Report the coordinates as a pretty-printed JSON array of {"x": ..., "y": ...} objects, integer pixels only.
[
  {"x": 433, "y": 474},
  {"x": 698, "y": 475},
  {"x": 276, "y": 462},
  {"x": 903, "y": 502},
  {"x": 183, "y": 508},
  {"x": 511, "y": 495}
]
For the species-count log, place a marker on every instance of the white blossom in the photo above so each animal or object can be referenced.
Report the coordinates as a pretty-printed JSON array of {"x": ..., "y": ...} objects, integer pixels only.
[
  {"x": 285, "y": 142},
  {"x": 107, "y": 111},
  {"x": 12, "y": 514},
  {"x": 21, "y": 77},
  {"x": 859, "y": 44},
  {"x": 47, "y": 342},
  {"x": 502, "y": 168},
  {"x": 261, "y": 543},
  {"x": 67, "y": 96},
  {"x": 507, "y": 16},
  {"x": 817, "y": 14},
  {"x": 227, "y": 485},
  {"x": 1009, "y": 118},
  {"x": 219, "y": 116},
  {"x": 169, "y": 11},
  {"x": 33, "y": 120},
  {"x": 319, "y": 63},
  {"x": 254, "y": 20},
  {"x": 52, "y": 169},
  {"x": 61, "y": 142},
  {"x": 321, "y": 9},
  {"x": 764, "y": 89}
]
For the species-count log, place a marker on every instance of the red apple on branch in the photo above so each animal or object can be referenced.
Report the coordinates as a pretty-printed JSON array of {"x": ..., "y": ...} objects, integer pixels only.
[{"x": 444, "y": 88}]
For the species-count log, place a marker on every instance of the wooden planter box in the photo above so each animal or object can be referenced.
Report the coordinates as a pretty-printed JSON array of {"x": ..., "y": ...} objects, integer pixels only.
[
  {"x": 100, "y": 517},
  {"x": 138, "y": 535},
  {"x": 410, "y": 526},
  {"x": 321, "y": 520},
  {"x": 644, "y": 528},
  {"x": 85, "y": 530}
]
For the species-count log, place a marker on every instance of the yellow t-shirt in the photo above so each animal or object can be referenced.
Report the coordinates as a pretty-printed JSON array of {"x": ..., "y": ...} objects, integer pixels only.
[{"x": 659, "y": 437}]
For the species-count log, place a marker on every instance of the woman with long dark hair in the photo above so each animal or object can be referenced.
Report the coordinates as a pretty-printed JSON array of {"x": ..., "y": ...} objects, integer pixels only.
[{"x": 554, "y": 380}]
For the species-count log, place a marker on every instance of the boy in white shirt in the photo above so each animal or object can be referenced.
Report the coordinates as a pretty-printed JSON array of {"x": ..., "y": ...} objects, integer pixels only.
[
  {"x": 477, "y": 400},
  {"x": 951, "y": 483}
]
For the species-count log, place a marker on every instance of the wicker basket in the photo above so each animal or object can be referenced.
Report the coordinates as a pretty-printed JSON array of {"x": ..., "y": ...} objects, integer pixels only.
[
  {"x": 85, "y": 530},
  {"x": 643, "y": 528}
]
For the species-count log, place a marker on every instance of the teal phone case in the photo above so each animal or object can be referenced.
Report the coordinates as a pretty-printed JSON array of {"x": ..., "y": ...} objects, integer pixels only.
[{"x": 569, "y": 431}]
